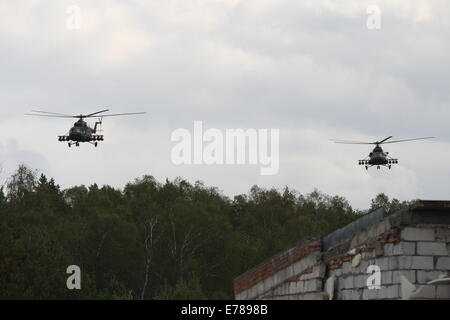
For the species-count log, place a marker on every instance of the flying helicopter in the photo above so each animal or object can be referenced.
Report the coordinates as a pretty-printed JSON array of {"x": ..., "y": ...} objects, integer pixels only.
[
  {"x": 378, "y": 157},
  {"x": 81, "y": 132}
]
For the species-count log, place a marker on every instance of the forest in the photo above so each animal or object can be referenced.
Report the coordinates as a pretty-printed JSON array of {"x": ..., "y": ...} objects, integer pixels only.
[{"x": 150, "y": 240}]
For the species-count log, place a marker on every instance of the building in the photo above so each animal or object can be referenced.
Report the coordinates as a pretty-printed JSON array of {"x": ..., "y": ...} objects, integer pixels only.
[{"x": 401, "y": 256}]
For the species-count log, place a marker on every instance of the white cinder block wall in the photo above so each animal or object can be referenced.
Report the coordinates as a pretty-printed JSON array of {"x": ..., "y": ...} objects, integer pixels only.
[{"x": 412, "y": 243}]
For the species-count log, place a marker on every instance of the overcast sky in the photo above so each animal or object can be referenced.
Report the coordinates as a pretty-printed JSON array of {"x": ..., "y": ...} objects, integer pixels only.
[{"x": 311, "y": 69}]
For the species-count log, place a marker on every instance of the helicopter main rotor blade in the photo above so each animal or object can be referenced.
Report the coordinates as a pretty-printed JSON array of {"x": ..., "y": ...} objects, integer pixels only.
[
  {"x": 49, "y": 115},
  {"x": 90, "y": 115},
  {"x": 119, "y": 114},
  {"x": 395, "y": 141},
  {"x": 382, "y": 141},
  {"x": 350, "y": 142},
  {"x": 52, "y": 113}
]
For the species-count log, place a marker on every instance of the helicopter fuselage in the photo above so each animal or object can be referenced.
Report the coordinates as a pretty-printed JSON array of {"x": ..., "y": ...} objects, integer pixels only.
[
  {"x": 81, "y": 132},
  {"x": 378, "y": 158}
]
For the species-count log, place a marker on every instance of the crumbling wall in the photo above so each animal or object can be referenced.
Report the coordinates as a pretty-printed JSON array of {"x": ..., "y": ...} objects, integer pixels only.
[
  {"x": 294, "y": 274},
  {"x": 412, "y": 243}
]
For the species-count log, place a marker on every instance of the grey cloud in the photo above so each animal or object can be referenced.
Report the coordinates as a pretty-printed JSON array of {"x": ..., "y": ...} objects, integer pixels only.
[{"x": 309, "y": 68}]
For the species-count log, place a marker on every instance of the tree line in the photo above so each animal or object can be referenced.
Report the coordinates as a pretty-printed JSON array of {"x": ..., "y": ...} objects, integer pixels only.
[{"x": 150, "y": 240}]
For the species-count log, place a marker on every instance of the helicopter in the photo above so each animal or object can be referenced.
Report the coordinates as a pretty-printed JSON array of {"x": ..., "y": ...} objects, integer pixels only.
[
  {"x": 378, "y": 157},
  {"x": 81, "y": 132}
]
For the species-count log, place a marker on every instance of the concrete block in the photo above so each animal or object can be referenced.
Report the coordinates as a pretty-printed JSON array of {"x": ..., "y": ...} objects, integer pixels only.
[
  {"x": 418, "y": 234},
  {"x": 362, "y": 268},
  {"x": 394, "y": 292},
  {"x": 252, "y": 294},
  {"x": 347, "y": 294},
  {"x": 278, "y": 277},
  {"x": 318, "y": 272},
  {"x": 300, "y": 286},
  {"x": 389, "y": 292},
  {"x": 259, "y": 288},
  {"x": 312, "y": 296},
  {"x": 383, "y": 292},
  {"x": 306, "y": 263},
  {"x": 379, "y": 251},
  {"x": 425, "y": 276},
  {"x": 312, "y": 285},
  {"x": 277, "y": 291},
  {"x": 415, "y": 262},
  {"x": 393, "y": 263},
  {"x": 351, "y": 294},
  {"x": 368, "y": 255},
  {"x": 383, "y": 263},
  {"x": 404, "y": 248},
  {"x": 425, "y": 263},
  {"x": 293, "y": 287},
  {"x": 360, "y": 281},
  {"x": 386, "y": 277},
  {"x": 289, "y": 271},
  {"x": 388, "y": 249},
  {"x": 408, "y": 274},
  {"x": 443, "y": 263},
  {"x": 269, "y": 283},
  {"x": 349, "y": 282},
  {"x": 274, "y": 292},
  {"x": 298, "y": 267},
  {"x": 427, "y": 292},
  {"x": 338, "y": 295},
  {"x": 370, "y": 294},
  {"x": 387, "y": 263},
  {"x": 347, "y": 268},
  {"x": 405, "y": 262},
  {"x": 288, "y": 287},
  {"x": 432, "y": 249},
  {"x": 443, "y": 234},
  {"x": 357, "y": 294},
  {"x": 337, "y": 272},
  {"x": 443, "y": 292},
  {"x": 283, "y": 289},
  {"x": 340, "y": 283}
]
